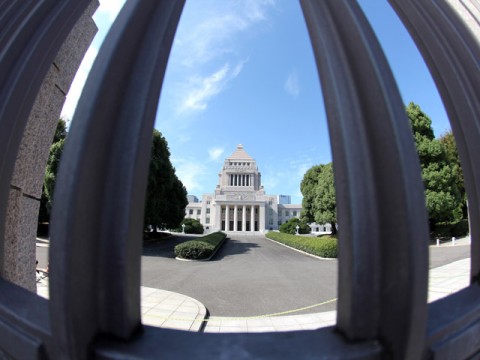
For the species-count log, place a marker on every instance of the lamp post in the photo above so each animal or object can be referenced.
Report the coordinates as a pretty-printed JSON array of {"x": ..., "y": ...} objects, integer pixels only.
[
  {"x": 297, "y": 227},
  {"x": 183, "y": 228}
]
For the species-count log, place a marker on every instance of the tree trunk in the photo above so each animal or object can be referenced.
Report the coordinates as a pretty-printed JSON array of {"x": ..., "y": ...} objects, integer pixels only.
[{"x": 334, "y": 228}]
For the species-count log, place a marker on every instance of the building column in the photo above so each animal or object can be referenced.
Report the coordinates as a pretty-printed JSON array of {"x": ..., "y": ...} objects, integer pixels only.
[
  {"x": 235, "y": 218},
  {"x": 227, "y": 218},
  {"x": 218, "y": 217},
  {"x": 244, "y": 218},
  {"x": 261, "y": 220},
  {"x": 252, "y": 218}
]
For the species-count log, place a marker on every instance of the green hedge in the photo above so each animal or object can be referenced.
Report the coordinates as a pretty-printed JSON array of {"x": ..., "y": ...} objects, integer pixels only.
[
  {"x": 447, "y": 230},
  {"x": 325, "y": 246},
  {"x": 200, "y": 248}
]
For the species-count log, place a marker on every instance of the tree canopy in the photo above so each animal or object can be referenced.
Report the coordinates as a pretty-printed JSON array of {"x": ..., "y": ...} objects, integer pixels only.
[
  {"x": 290, "y": 227},
  {"x": 53, "y": 162},
  {"x": 192, "y": 226},
  {"x": 440, "y": 169},
  {"x": 441, "y": 173},
  {"x": 166, "y": 197},
  {"x": 319, "y": 200}
]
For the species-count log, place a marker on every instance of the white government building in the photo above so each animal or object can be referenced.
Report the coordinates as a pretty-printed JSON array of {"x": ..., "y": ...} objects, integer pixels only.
[{"x": 240, "y": 203}]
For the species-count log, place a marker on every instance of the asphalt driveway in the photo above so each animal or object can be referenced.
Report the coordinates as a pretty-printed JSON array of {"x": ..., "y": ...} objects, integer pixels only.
[{"x": 249, "y": 276}]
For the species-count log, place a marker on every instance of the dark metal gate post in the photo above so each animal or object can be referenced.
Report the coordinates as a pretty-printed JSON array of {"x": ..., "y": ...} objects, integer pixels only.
[{"x": 94, "y": 311}]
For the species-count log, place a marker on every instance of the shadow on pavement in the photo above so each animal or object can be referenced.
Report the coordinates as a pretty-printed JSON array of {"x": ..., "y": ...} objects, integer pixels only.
[
  {"x": 165, "y": 247},
  {"x": 233, "y": 247}
]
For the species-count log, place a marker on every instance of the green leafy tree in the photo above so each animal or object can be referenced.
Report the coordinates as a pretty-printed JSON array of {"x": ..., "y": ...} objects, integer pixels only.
[
  {"x": 440, "y": 176},
  {"x": 319, "y": 200},
  {"x": 290, "y": 227},
  {"x": 60, "y": 131},
  {"x": 51, "y": 170},
  {"x": 451, "y": 152},
  {"x": 166, "y": 196},
  {"x": 53, "y": 162},
  {"x": 192, "y": 226}
]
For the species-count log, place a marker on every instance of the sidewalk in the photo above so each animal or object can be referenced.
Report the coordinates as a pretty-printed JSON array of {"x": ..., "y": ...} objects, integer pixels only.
[
  {"x": 160, "y": 308},
  {"x": 443, "y": 281},
  {"x": 175, "y": 311}
]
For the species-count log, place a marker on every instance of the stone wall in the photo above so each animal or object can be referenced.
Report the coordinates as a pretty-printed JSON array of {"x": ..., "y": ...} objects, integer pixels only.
[{"x": 27, "y": 180}]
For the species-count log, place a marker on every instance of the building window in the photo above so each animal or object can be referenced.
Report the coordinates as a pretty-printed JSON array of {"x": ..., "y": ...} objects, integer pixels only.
[
  {"x": 270, "y": 221},
  {"x": 270, "y": 212},
  {"x": 199, "y": 211},
  {"x": 207, "y": 220},
  {"x": 208, "y": 202},
  {"x": 279, "y": 222},
  {"x": 294, "y": 213},
  {"x": 190, "y": 211},
  {"x": 287, "y": 213},
  {"x": 270, "y": 202},
  {"x": 208, "y": 210}
]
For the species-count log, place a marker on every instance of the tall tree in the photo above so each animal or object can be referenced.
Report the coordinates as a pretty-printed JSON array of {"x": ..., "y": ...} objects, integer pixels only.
[
  {"x": 442, "y": 193},
  {"x": 51, "y": 169},
  {"x": 319, "y": 200},
  {"x": 451, "y": 152},
  {"x": 166, "y": 197}
]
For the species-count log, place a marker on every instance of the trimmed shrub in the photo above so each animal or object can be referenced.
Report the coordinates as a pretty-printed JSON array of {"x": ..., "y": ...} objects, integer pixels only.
[
  {"x": 194, "y": 250},
  {"x": 447, "y": 230},
  {"x": 460, "y": 228},
  {"x": 325, "y": 246},
  {"x": 442, "y": 231},
  {"x": 200, "y": 248}
]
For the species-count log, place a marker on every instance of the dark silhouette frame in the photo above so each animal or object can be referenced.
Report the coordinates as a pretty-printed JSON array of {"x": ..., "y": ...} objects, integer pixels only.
[{"x": 94, "y": 311}]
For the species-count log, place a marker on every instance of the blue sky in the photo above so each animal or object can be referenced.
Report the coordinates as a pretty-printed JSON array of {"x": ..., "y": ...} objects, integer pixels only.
[{"x": 242, "y": 72}]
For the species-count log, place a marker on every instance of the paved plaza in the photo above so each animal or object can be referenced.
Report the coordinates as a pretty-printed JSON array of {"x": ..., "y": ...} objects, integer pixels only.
[{"x": 173, "y": 310}]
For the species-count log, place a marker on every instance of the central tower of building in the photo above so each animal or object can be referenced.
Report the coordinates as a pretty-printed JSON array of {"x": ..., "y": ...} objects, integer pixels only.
[
  {"x": 239, "y": 196},
  {"x": 239, "y": 202}
]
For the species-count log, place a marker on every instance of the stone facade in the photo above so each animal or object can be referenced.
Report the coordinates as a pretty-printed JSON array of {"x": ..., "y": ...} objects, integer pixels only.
[
  {"x": 239, "y": 202},
  {"x": 27, "y": 180}
]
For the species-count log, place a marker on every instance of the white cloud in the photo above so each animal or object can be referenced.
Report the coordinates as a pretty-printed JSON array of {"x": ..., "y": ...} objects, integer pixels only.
[
  {"x": 190, "y": 172},
  {"x": 215, "y": 153},
  {"x": 213, "y": 27},
  {"x": 183, "y": 138},
  {"x": 292, "y": 85},
  {"x": 198, "y": 91}
]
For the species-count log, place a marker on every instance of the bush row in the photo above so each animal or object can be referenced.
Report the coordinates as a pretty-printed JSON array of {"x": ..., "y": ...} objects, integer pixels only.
[
  {"x": 200, "y": 248},
  {"x": 324, "y": 246},
  {"x": 448, "y": 230}
]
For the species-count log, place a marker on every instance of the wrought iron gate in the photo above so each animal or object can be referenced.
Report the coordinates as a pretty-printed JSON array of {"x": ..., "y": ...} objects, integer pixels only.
[{"x": 94, "y": 311}]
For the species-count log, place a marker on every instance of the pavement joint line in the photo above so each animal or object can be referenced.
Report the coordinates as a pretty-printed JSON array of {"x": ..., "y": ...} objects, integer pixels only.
[{"x": 221, "y": 318}]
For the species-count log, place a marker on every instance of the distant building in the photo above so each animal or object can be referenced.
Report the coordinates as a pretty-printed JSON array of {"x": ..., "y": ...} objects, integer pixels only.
[
  {"x": 192, "y": 199},
  {"x": 239, "y": 202},
  {"x": 284, "y": 199}
]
